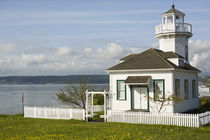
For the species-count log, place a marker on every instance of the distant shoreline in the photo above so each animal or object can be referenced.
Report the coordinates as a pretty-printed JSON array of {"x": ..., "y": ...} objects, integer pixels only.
[{"x": 49, "y": 84}]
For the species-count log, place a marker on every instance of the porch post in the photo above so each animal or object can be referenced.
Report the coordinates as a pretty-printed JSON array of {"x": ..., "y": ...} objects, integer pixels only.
[
  {"x": 105, "y": 114},
  {"x": 92, "y": 104},
  {"x": 86, "y": 106}
]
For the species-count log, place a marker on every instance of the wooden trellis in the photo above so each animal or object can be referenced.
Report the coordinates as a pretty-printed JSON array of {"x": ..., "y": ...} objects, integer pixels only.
[{"x": 105, "y": 93}]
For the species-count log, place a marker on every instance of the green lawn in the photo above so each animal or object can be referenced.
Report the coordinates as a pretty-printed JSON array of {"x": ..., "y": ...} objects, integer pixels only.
[{"x": 17, "y": 127}]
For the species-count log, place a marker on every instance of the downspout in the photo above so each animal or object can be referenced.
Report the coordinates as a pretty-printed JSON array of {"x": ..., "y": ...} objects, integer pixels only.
[{"x": 172, "y": 79}]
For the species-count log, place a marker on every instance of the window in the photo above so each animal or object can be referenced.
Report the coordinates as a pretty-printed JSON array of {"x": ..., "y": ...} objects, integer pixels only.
[
  {"x": 181, "y": 63},
  {"x": 186, "y": 89},
  {"x": 177, "y": 87},
  {"x": 193, "y": 89},
  {"x": 164, "y": 20},
  {"x": 121, "y": 90},
  {"x": 177, "y": 19},
  {"x": 159, "y": 87},
  {"x": 169, "y": 19}
]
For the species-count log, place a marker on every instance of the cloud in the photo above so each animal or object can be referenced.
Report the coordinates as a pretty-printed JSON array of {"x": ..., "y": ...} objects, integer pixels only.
[
  {"x": 64, "y": 60},
  {"x": 32, "y": 59},
  {"x": 199, "y": 54},
  {"x": 67, "y": 60},
  {"x": 6, "y": 47},
  {"x": 64, "y": 51},
  {"x": 114, "y": 51}
]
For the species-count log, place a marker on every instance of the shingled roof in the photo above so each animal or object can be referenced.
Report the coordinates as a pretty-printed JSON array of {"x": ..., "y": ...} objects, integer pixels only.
[
  {"x": 163, "y": 54},
  {"x": 127, "y": 57},
  {"x": 151, "y": 59},
  {"x": 173, "y": 10},
  {"x": 138, "y": 79}
]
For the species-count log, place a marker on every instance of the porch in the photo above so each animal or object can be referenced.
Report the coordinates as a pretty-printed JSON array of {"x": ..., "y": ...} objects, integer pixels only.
[{"x": 139, "y": 92}]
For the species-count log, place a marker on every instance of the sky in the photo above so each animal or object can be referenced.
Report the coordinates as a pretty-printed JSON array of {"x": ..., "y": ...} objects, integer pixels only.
[{"x": 67, "y": 37}]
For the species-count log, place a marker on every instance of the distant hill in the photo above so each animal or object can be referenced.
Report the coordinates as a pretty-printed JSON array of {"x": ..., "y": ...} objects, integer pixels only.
[{"x": 74, "y": 79}]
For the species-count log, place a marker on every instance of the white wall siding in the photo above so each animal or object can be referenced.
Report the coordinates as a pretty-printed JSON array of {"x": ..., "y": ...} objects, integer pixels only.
[
  {"x": 126, "y": 104},
  {"x": 174, "y": 60},
  {"x": 175, "y": 44},
  {"x": 181, "y": 42},
  {"x": 190, "y": 103},
  {"x": 167, "y": 44}
]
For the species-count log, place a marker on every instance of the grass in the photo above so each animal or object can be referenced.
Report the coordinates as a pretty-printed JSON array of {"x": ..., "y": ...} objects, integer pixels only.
[
  {"x": 18, "y": 127},
  {"x": 97, "y": 117}
]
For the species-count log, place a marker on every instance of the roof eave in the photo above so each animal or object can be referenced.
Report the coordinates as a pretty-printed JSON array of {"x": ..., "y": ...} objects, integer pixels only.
[
  {"x": 184, "y": 70},
  {"x": 139, "y": 70},
  {"x": 137, "y": 83},
  {"x": 172, "y": 13}
]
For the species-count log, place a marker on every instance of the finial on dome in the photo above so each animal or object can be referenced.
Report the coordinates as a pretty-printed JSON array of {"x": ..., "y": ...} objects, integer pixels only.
[{"x": 173, "y": 6}]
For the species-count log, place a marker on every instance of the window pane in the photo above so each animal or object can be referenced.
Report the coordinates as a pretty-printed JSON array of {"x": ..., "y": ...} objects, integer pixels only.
[
  {"x": 164, "y": 20},
  {"x": 169, "y": 19},
  {"x": 193, "y": 89},
  {"x": 177, "y": 19},
  {"x": 122, "y": 86},
  {"x": 121, "y": 94},
  {"x": 186, "y": 89},
  {"x": 121, "y": 90},
  {"x": 159, "y": 87},
  {"x": 177, "y": 87},
  {"x": 181, "y": 63}
]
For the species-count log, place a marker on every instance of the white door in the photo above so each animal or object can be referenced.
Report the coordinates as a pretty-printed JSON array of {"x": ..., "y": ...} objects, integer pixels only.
[
  {"x": 143, "y": 98},
  {"x": 136, "y": 97},
  {"x": 139, "y": 98}
]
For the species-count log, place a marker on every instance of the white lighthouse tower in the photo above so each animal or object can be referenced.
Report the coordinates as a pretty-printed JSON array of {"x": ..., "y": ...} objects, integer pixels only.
[{"x": 173, "y": 33}]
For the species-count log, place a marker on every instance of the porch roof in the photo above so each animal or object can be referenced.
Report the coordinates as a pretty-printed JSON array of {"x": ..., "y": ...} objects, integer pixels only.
[{"x": 140, "y": 80}]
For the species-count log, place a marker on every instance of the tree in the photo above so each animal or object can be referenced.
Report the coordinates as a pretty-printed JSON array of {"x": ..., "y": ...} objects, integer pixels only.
[
  {"x": 159, "y": 101},
  {"x": 74, "y": 94}
]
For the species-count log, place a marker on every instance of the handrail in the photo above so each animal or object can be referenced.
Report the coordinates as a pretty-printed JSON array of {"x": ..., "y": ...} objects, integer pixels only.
[{"x": 173, "y": 27}]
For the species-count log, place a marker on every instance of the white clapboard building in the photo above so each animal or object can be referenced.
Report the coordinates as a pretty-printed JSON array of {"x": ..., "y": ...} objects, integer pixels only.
[{"x": 165, "y": 70}]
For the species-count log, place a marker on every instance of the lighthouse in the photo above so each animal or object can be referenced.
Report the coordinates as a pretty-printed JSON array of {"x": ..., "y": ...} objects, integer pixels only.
[
  {"x": 173, "y": 33},
  {"x": 165, "y": 71}
]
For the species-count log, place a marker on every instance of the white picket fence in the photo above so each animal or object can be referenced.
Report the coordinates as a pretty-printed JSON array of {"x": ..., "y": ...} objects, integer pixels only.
[
  {"x": 54, "y": 113},
  {"x": 204, "y": 118},
  {"x": 179, "y": 119},
  {"x": 97, "y": 108},
  {"x": 188, "y": 120}
]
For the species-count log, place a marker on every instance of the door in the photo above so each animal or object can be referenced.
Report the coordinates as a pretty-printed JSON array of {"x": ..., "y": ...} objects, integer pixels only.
[{"x": 139, "y": 99}]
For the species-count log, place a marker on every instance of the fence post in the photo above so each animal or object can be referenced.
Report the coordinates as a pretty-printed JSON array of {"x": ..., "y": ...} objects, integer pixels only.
[
  {"x": 45, "y": 112},
  {"x": 34, "y": 112},
  {"x": 57, "y": 113},
  {"x": 83, "y": 114},
  {"x": 123, "y": 117},
  {"x": 70, "y": 111},
  {"x": 24, "y": 112},
  {"x": 198, "y": 120},
  {"x": 86, "y": 107}
]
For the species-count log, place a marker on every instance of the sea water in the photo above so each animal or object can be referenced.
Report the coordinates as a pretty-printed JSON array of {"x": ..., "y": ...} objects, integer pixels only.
[{"x": 33, "y": 95}]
